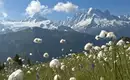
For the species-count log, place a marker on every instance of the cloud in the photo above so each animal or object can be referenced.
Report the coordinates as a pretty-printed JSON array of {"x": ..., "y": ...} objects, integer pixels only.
[
  {"x": 45, "y": 10},
  {"x": 36, "y": 7},
  {"x": 65, "y": 7},
  {"x": 4, "y": 14}
]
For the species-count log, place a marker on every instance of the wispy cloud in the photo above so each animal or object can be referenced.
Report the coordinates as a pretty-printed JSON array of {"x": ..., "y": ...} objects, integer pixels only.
[
  {"x": 36, "y": 7},
  {"x": 4, "y": 14},
  {"x": 65, "y": 7}
]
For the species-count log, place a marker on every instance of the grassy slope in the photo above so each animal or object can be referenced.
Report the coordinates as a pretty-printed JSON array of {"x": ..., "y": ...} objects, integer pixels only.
[{"x": 114, "y": 65}]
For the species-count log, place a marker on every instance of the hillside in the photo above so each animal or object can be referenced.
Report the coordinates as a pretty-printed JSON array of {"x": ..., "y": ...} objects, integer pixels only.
[{"x": 21, "y": 42}]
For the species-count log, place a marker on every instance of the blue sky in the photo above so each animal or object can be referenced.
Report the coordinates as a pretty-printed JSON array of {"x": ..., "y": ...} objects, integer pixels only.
[{"x": 16, "y": 9}]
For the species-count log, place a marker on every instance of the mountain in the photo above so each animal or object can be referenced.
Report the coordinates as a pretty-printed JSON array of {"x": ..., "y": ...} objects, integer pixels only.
[
  {"x": 21, "y": 42},
  {"x": 92, "y": 21},
  {"x": 16, "y": 37},
  {"x": 36, "y": 20}
]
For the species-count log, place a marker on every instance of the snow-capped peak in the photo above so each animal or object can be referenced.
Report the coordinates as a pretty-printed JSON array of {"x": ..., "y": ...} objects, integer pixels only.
[
  {"x": 90, "y": 10},
  {"x": 92, "y": 20}
]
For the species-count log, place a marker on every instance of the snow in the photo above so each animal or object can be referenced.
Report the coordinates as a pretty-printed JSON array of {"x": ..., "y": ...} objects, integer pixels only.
[
  {"x": 85, "y": 22},
  {"x": 89, "y": 11}
]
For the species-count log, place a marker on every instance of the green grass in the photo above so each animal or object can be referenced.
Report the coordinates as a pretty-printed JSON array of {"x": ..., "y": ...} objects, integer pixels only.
[{"x": 114, "y": 65}]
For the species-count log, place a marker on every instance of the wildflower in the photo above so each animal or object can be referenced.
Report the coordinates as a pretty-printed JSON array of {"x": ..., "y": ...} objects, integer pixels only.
[
  {"x": 37, "y": 69},
  {"x": 24, "y": 66},
  {"x": 20, "y": 58},
  {"x": 105, "y": 59},
  {"x": 23, "y": 60},
  {"x": 72, "y": 78},
  {"x": 17, "y": 75},
  {"x": 125, "y": 46},
  {"x": 110, "y": 48},
  {"x": 30, "y": 54},
  {"x": 93, "y": 65},
  {"x": 106, "y": 49},
  {"x": 71, "y": 50},
  {"x": 90, "y": 56},
  {"x": 5, "y": 63},
  {"x": 63, "y": 67},
  {"x": 31, "y": 69},
  {"x": 62, "y": 41},
  {"x": 43, "y": 65},
  {"x": 100, "y": 55},
  {"x": 127, "y": 42},
  {"x": 103, "y": 34},
  {"x": 85, "y": 53},
  {"x": 88, "y": 46},
  {"x": 62, "y": 49},
  {"x": 109, "y": 43},
  {"x": 111, "y": 35},
  {"x": 54, "y": 63},
  {"x": 73, "y": 69},
  {"x": 115, "y": 61},
  {"x": 120, "y": 43},
  {"x": 101, "y": 78},
  {"x": 78, "y": 57},
  {"x": 37, "y": 61},
  {"x": 128, "y": 49},
  {"x": 9, "y": 59},
  {"x": 57, "y": 77},
  {"x": 46, "y": 55},
  {"x": 97, "y": 37},
  {"x": 62, "y": 63},
  {"x": 97, "y": 48},
  {"x": 103, "y": 46},
  {"x": 37, "y": 40},
  {"x": 28, "y": 72}
]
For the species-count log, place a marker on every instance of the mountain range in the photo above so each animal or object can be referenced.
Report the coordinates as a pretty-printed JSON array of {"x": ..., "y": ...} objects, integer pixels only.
[
  {"x": 21, "y": 42},
  {"x": 16, "y": 37},
  {"x": 90, "y": 21}
]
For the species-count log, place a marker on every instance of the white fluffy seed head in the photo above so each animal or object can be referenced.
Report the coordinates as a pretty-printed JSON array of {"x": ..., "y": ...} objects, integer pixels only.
[
  {"x": 111, "y": 35},
  {"x": 103, "y": 34},
  {"x": 97, "y": 48},
  {"x": 128, "y": 49},
  {"x": 28, "y": 72},
  {"x": 72, "y": 78},
  {"x": 109, "y": 43},
  {"x": 120, "y": 43},
  {"x": 103, "y": 46},
  {"x": 31, "y": 69},
  {"x": 100, "y": 55},
  {"x": 46, "y": 55},
  {"x": 97, "y": 37},
  {"x": 55, "y": 63},
  {"x": 17, "y": 75},
  {"x": 101, "y": 78},
  {"x": 73, "y": 69},
  {"x": 57, "y": 77},
  {"x": 9, "y": 59},
  {"x": 30, "y": 54},
  {"x": 37, "y": 40},
  {"x": 88, "y": 46},
  {"x": 63, "y": 67},
  {"x": 23, "y": 60},
  {"x": 110, "y": 48},
  {"x": 62, "y": 41}
]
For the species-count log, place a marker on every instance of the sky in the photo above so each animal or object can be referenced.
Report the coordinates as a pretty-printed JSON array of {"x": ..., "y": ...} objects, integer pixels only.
[{"x": 58, "y": 9}]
